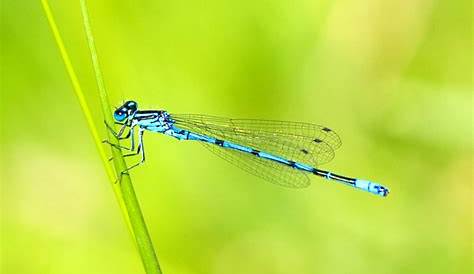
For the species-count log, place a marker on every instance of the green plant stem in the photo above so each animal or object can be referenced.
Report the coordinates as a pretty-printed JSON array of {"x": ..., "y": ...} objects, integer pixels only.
[{"x": 124, "y": 191}]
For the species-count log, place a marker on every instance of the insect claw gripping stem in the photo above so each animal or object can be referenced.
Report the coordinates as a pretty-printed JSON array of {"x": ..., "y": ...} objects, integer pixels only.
[
  {"x": 119, "y": 179},
  {"x": 118, "y": 136},
  {"x": 122, "y": 147},
  {"x": 115, "y": 145},
  {"x": 125, "y": 172},
  {"x": 140, "y": 148}
]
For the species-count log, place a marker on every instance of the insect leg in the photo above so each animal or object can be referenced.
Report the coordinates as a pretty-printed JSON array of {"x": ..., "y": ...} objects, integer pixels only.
[
  {"x": 140, "y": 148},
  {"x": 119, "y": 134},
  {"x": 131, "y": 134}
]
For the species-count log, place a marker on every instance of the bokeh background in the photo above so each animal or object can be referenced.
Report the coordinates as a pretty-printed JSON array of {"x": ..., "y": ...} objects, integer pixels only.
[{"x": 393, "y": 78}]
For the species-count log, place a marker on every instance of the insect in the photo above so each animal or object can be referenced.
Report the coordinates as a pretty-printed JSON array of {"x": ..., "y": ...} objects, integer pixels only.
[{"x": 283, "y": 153}]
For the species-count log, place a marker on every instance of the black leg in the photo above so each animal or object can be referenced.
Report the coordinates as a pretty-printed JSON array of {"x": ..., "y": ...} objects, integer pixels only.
[
  {"x": 141, "y": 149},
  {"x": 116, "y": 146},
  {"x": 121, "y": 130},
  {"x": 130, "y": 135}
]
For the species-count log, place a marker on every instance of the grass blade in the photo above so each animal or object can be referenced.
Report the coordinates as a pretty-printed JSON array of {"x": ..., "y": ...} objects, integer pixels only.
[{"x": 124, "y": 191}]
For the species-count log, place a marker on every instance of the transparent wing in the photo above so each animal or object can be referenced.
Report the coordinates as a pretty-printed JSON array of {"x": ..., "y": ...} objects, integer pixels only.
[
  {"x": 268, "y": 170},
  {"x": 300, "y": 142}
]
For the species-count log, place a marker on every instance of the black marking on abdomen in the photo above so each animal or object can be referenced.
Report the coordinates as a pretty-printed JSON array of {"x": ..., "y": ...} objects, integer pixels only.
[
  {"x": 318, "y": 172},
  {"x": 255, "y": 152},
  {"x": 332, "y": 176},
  {"x": 219, "y": 142},
  {"x": 291, "y": 163}
]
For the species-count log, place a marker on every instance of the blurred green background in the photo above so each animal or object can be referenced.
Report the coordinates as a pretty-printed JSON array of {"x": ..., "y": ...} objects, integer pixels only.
[{"x": 393, "y": 78}]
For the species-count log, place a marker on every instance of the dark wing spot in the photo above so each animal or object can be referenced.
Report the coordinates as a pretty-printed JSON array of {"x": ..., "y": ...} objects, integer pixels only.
[
  {"x": 326, "y": 129},
  {"x": 317, "y": 140},
  {"x": 304, "y": 151}
]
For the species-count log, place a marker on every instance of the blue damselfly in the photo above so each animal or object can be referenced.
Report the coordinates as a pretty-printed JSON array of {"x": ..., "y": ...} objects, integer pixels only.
[{"x": 283, "y": 153}]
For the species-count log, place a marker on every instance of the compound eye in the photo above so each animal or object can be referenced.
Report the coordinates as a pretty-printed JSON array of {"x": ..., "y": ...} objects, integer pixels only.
[{"x": 119, "y": 116}]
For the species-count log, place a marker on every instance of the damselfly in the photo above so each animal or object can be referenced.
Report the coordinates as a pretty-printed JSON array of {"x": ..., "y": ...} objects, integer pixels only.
[{"x": 283, "y": 153}]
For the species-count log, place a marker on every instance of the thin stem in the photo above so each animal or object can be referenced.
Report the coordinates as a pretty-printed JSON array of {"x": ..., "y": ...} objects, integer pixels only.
[
  {"x": 124, "y": 191},
  {"x": 82, "y": 101}
]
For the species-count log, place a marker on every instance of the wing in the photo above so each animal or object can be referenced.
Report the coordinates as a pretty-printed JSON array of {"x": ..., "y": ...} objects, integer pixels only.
[
  {"x": 300, "y": 142},
  {"x": 266, "y": 169}
]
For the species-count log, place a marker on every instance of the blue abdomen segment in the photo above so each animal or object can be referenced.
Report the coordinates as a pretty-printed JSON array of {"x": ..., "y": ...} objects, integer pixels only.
[
  {"x": 186, "y": 135},
  {"x": 371, "y": 187},
  {"x": 365, "y": 185}
]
